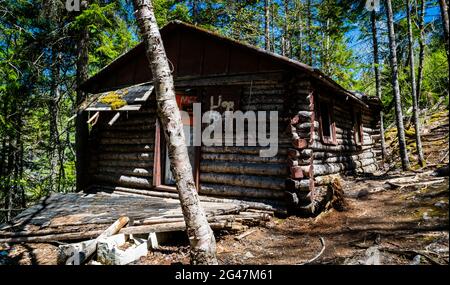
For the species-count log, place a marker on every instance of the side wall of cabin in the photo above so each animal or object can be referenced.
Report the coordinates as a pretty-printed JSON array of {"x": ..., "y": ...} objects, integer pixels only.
[{"x": 337, "y": 135}]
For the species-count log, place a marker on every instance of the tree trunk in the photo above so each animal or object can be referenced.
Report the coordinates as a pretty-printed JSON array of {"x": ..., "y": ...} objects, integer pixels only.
[
  {"x": 378, "y": 79},
  {"x": 308, "y": 29},
  {"x": 272, "y": 23},
  {"x": 266, "y": 25},
  {"x": 195, "y": 11},
  {"x": 201, "y": 237},
  {"x": 396, "y": 87},
  {"x": 53, "y": 143},
  {"x": 445, "y": 22},
  {"x": 300, "y": 32},
  {"x": 413, "y": 86},
  {"x": 421, "y": 51},
  {"x": 82, "y": 132},
  {"x": 286, "y": 44}
]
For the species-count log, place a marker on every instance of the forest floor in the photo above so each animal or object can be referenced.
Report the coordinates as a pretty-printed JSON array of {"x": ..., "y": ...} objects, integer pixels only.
[{"x": 379, "y": 225}]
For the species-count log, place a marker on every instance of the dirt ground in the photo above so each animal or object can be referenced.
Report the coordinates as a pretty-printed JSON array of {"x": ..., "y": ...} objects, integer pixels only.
[
  {"x": 397, "y": 224},
  {"x": 382, "y": 224}
]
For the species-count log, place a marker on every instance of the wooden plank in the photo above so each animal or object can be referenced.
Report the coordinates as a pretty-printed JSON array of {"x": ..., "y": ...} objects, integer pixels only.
[{"x": 136, "y": 107}]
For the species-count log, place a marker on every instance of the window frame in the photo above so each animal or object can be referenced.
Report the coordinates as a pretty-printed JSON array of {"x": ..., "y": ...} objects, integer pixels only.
[
  {"x": 159, "y": 160},
  {"x": 358, "y": 125},
  {"x": 327, "y": 140}
]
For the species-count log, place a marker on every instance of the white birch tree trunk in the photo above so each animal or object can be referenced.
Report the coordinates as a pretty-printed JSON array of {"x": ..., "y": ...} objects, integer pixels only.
[{"x": 201, "y": 237}]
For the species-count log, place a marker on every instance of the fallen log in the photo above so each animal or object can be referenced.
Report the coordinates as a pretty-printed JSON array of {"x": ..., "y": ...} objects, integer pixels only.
[
  {"x": 261, "y": 204},
  {"x": 114, "y": 171},
  {"x": 247, "y": 233},
  {"x": 416, "y": 183},
  {"x": 140, "y": 182},
  {"x": 78, "y": 253}
]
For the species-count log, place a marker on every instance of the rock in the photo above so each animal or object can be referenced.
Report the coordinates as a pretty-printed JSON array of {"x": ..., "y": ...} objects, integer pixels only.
[
  {"x": 416, "y": 260},
  {"x": 362, "y": 193},
  {"x": 248, "y": 254},
  {"x": 425, "y": 216},
  {"x": 441, "y": 171},
  {"x": 373, "y": 256},
  {"x": 441, "y": 204}
]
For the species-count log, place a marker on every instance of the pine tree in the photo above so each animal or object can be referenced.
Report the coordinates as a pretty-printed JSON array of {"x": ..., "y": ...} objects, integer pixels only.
[{"x": 395, "y": 84}]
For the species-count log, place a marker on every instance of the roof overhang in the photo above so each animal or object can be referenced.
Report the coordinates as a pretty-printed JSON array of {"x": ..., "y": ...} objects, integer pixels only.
[{"x": 130, "y": 99}]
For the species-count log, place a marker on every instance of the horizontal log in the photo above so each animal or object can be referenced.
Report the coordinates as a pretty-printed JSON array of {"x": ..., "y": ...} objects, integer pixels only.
[
  {"x": 243, "y": 180},
  {"x": 304, "y": 115},
  {"x": 295, "y": 153},
  {"x": 242, "y": 158},
  {"x": 141, "y": 156},
  {"x": 263, "y": 107},
  {"x": 244, "y": 142},
  {"x": 125, "y": 163},
  {"x": 321, "y": 147},
  {"x": 133, "y": 148},
  {"x": 303, "y": 106},
  {"x": 265, "y": 91},
  {"x": 146, "y": 127},
  {"x": 235, "y": 191},
  {"x": 307, "y": 126},
  {"x": 169, "y": 227},
  {"x": 254, "y": 203},
  {"x": 136, "y": 121},
  {"x": 124, "y": 180},
  {"x": 243, "y": 168},
  {"x": 299, "y": 161},
  {"x": 342, "y": 159},
  {"x": 139, "y": 172},
  {"x": 109, "y": 141},
  {"x": 237, "y": 149},
  {"x": 300, "y": 185},
  {"x": 127, "y": 134},
  {"x": 330, "y": 156},
  {"x": 331, "y": 168}
]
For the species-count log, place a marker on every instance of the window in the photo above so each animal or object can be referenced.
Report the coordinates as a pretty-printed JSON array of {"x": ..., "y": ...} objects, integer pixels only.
[
  {"x": 162, "y": 175},
  {"x": 327, "y": 125},
  {"x": 358, "y": 128}
]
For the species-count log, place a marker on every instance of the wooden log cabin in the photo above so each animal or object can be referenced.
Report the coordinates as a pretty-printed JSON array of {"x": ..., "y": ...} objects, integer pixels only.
[{"x": 323, "y": 129}]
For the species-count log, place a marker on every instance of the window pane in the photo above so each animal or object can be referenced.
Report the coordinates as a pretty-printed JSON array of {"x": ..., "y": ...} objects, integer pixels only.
[{"x": 326, "y": 122}]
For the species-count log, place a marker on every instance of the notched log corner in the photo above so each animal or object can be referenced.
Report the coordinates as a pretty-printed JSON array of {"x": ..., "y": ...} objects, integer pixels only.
[{"x": 326, "y": 197}]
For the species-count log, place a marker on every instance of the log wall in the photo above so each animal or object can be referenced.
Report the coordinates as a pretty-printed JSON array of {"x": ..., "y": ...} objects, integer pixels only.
[
  {"x": 239, "y": 171},
  {"x": 122, "y": 155}
]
